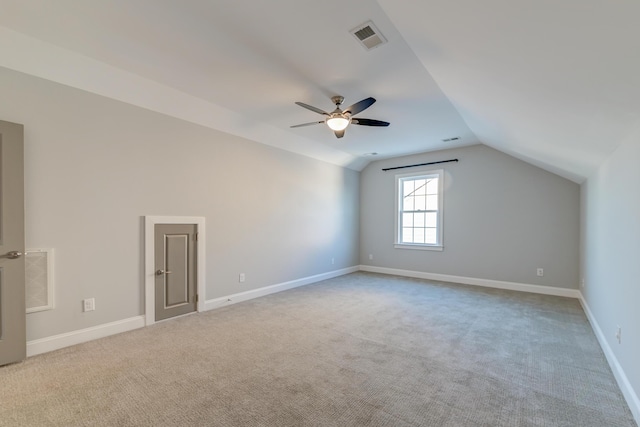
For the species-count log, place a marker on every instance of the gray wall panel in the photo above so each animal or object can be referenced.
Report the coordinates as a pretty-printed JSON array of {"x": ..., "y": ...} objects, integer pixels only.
[
  {"x": 610, "y": 248},
  {"x": 503, "y": 218},
  {"x": 95, "y": 166}
]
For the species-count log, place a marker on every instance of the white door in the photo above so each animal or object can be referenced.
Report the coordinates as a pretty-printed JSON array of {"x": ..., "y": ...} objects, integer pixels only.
[{"x": 13, "y": 343}]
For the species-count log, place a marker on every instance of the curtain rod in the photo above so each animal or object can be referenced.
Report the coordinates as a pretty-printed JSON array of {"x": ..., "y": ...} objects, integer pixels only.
[{"x": 420, "y": 164}]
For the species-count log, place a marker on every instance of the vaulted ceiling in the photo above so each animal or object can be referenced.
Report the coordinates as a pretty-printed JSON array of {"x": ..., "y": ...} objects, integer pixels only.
[{"x": 555, "y": 83}]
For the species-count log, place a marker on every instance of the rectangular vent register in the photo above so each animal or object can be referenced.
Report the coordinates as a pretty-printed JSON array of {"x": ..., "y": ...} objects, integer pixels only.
[
  {"x": 368, "y": 35},
  {"x": 39, "y": 279}
]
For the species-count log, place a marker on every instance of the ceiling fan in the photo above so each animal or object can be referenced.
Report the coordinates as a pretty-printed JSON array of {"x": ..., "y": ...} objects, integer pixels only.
[{"x": 338, "y": 119}]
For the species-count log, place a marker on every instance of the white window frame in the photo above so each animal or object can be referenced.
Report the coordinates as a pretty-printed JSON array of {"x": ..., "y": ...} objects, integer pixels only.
[{"x": 398, "y": 223}]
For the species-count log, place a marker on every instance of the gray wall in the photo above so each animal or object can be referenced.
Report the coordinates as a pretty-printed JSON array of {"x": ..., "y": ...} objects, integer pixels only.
[
  {"x": 95, "y": 166},
  {"x": 503, "y": 218},
  {"x": 610, "y": 262}
]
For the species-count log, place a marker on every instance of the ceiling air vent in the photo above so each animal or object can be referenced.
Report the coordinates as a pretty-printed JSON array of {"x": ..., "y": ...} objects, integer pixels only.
[
  {"x": 368, "y": 35},
  {"x": 455, "y": 138}
]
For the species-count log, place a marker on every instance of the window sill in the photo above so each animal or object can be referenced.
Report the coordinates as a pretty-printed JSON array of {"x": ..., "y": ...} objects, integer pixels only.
[{"x": 419, "y": 247}]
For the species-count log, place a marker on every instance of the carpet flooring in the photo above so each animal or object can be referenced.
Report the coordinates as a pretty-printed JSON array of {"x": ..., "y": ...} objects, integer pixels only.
[{"x": 358, "y": 350}]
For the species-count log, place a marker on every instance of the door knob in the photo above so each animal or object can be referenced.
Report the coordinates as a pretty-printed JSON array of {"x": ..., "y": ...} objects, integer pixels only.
[
  {"x": 12, "y": 255},
  {"x": 161, "y": 272}
]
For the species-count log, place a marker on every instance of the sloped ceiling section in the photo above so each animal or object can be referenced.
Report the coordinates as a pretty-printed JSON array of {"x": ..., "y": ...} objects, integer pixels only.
[
  {"x": 556, "y": 83},
  {"x": 553, "y": 83},
  {"x": 239, "y": 67}
]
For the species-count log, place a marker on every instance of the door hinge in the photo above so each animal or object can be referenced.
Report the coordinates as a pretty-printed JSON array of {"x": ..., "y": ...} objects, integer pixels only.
[
  {"x": 197, "y": 298},
  {"x": 195, "y": 237}
]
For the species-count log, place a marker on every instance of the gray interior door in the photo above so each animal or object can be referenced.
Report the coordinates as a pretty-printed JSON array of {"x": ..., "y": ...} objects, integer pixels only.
[
  {"x": 175, "y": 265},
  {"x": 13, "y": 342}
]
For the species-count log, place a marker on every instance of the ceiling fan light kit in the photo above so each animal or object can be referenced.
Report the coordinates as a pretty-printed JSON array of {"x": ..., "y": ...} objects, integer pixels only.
[{"x": 338, "y": 120}]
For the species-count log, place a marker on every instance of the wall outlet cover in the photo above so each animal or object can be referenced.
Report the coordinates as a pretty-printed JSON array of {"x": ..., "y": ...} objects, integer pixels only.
[{"x": 89, "y": 304}]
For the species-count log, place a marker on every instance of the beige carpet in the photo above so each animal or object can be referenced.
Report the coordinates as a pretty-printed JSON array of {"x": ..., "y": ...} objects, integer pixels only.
[{"x": 358, "y": 350}]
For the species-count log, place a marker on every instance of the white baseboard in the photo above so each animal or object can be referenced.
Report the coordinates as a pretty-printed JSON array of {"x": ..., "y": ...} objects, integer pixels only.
[
  {"x": 522, "y": 287},
  {"x": 56, "y": 342},
  {"x": 272, "y": 289},
  {"x": 623, "y": 382}
]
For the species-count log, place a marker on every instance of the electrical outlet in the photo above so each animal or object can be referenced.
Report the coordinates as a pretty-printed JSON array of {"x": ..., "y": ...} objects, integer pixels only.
[
  {"x": 333, "y": 261},
  {"x": 619, "y": 334},
  {"x": 370, "y": 256},
  {"x": 89, "y": 304},
  {"x": 540, "y": 271},
  {"x": 241, "y": 278},
  {"x": 581, "y": 283}
]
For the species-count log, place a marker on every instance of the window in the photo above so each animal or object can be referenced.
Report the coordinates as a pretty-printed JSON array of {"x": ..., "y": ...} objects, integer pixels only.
[{"x": 419, "y": 211}]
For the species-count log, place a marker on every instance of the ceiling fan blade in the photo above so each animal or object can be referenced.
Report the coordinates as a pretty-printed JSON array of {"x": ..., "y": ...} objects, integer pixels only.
[
  {"x": 360, "y": 106},
  {"x": 312, "y": 108},
  {"x": 369, "y": 122},
  {"x": 306, "y": 124},
  {"x": 339, "y": 133}
]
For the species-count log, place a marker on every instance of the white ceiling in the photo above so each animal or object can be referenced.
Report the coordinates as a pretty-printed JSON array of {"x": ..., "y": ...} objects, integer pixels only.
[{"x": 555, "y": 83}]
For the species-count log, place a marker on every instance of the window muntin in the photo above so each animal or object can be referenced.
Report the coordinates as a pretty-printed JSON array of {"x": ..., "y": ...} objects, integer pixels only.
[{"x": 419, "y": 210}]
